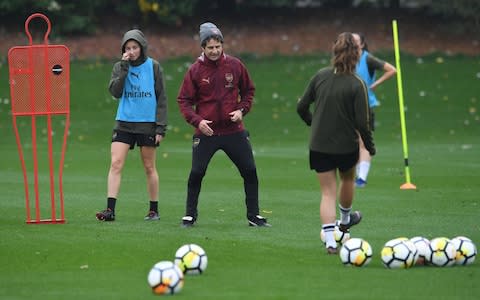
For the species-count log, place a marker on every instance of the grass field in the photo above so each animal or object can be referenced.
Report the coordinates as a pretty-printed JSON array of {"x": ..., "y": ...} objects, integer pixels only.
[{"x": 85, "y": 259}]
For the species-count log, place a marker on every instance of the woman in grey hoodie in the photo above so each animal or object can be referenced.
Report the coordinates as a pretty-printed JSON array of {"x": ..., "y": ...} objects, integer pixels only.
[{"x": 137, "y": 81}]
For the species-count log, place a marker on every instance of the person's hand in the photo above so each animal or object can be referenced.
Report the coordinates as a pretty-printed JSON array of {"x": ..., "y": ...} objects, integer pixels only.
[
  {"x": 236, "y": 115},
  {"x": 126, "y": 56},
  {"x": 158, "y": 139},
  {"x": 205, "y": 128}
]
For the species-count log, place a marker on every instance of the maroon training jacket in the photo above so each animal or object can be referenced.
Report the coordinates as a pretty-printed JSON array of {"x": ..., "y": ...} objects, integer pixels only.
[{"x": 213, "y": 89}]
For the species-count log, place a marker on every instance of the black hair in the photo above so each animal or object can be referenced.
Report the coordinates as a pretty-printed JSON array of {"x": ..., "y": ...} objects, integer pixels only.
[
  {"x": 216, "y": 37},
  {"x": 363, "y": 41}
]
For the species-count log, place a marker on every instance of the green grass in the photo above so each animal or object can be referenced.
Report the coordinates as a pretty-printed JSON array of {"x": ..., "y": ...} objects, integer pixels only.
[{"x": 85, "y": 259}]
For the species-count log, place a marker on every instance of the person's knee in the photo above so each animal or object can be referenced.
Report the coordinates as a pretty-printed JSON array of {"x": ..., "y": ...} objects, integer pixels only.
[
  {"x": 195, "y": 177},
  {"x": 150, "y": 170},
  {"x": 250, "y": 176},
  {"x": 116, "y": 165}
]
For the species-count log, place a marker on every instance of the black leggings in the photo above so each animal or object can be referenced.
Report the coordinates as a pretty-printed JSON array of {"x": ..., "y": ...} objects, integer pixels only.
[{"x": 237, "y": 147}]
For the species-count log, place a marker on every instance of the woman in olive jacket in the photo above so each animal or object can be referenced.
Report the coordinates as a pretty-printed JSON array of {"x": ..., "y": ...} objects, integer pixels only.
[{"x": 339, "y": 114}]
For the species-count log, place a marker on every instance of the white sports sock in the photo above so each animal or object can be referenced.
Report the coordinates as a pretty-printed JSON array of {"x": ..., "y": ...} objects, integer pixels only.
[
  {"x": 363, "y": 169},
  {"x": 328, "y": 229},
  {"x": 344, "y": 214}
]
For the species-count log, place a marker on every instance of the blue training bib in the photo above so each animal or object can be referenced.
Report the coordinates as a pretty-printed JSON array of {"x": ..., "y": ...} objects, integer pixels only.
[
  {"x": 138, "y": 102},
  {"x": 362, "y": 71}
]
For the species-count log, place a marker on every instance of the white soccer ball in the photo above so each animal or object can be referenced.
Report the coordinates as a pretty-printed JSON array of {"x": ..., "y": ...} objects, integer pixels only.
[
  {"x": 466, "y": 251},
  {"x": 165, "y": 278},
  {"x": 191, "y": 259},
  {"x": 398, "y": 253},
  {"x": 421, "y": 244},
  {"x": 414, "y": 250},
  {"x": 441, "y": 252},
  {"x": 356, "y": 252},
  {"x": 340, "y": 236}
]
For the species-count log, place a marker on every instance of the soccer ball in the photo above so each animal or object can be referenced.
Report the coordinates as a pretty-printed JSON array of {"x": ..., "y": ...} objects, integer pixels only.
[
  {"x": 340, "y": 236},
  {"x": 191, "y": 259},
  {"x": 356, "y": 252},
  {"x": 466, "y": 251},
  {"x": 398, "y": 253},
  {"x": 414, "y": 250},
  {"x": 441, "y": 252},
  {"x": 165, "y": 278},
  {"x": 421, "y": 244}
]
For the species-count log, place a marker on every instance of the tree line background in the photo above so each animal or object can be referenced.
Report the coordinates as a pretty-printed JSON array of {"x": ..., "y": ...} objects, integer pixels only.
[{"x": 85, "y": 17}]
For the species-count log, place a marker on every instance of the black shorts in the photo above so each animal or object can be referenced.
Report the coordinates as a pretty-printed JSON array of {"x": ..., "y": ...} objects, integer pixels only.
[
  {"x": 134, "y": 138},
  {"x": 323, "y": 162}
]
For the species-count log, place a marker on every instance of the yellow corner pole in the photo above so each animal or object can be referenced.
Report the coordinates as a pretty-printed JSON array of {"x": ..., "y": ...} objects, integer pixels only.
[{"x": 407, "y": 185}]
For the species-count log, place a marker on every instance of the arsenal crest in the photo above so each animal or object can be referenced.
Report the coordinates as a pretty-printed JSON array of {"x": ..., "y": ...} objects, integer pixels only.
[
  {"x": 196, "y": 142},
  {"x": 229, "y": 80}
]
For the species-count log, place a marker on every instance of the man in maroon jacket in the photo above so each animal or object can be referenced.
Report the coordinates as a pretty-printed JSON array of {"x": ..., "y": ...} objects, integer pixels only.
[{"x": 215, "y": 95}]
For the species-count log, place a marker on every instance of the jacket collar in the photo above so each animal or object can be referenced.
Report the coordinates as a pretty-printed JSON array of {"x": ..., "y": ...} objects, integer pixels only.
[{"x": 205, "y": 60}]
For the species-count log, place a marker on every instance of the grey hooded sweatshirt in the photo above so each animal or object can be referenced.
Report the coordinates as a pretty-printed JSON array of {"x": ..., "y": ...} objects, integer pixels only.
[{"x": 117, "y": 81}]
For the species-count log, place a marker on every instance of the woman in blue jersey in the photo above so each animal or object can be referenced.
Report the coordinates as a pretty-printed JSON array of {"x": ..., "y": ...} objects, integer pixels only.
[
  {"x": 141, "y": 119},
  {"x": 366, "y": 69}
]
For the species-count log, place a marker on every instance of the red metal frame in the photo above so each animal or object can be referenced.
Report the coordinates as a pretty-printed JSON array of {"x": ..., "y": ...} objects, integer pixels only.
[{"x": 46, "y": 98}]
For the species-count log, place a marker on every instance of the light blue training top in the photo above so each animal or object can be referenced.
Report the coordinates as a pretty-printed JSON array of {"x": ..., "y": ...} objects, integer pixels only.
[
  {"x": 362, "y": 71},
  {"x": 138, "y": 102}
]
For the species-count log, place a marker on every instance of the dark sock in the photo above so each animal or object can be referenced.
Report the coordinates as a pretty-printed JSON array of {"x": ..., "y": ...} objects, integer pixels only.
[
  {"x": 111, "y": 203},
  {"x": 154, "y": 206}
]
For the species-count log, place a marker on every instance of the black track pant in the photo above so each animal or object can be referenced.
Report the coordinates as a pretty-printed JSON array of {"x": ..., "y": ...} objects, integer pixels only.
[{"x": 238, "y": 149}]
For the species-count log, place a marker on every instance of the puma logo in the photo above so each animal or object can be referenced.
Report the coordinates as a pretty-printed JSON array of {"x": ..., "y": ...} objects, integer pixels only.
[
  {"x": 206, "y": 80},
  {"x": 136, "y": 75}
]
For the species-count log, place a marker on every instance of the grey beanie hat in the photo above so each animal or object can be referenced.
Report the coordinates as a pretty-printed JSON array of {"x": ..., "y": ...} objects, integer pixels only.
[{"x": 207, "y": 30}]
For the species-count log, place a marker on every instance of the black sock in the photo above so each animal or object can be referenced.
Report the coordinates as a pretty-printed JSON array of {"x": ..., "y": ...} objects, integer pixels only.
[
  {"x": 111, "y": 203},
  {"x": 154, "y": 206}
]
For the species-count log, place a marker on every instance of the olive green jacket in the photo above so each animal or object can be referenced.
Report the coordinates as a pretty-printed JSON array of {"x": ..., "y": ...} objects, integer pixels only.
[{"x": 336, "y": 108}]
